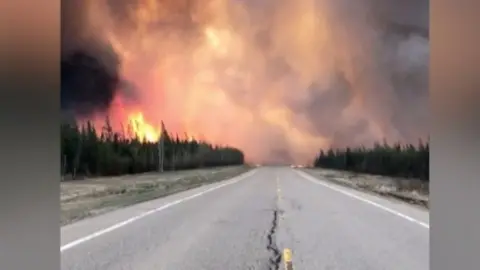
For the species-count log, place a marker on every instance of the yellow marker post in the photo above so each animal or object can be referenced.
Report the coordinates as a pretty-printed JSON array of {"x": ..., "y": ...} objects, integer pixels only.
[{"x": 287, "y": 259}]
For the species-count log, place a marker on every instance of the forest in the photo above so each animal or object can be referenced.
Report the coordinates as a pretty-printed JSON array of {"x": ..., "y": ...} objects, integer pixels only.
[
  {"x": 87, "y": 152},
  {"x": 397, "y": 160}
]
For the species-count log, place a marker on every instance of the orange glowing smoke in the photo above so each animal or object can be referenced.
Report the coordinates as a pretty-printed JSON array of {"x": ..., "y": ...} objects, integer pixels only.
[
  {"x": 225, "y": 72},
  {"x": 142, "y": 129},
  {"x": 198, "y": 66}
]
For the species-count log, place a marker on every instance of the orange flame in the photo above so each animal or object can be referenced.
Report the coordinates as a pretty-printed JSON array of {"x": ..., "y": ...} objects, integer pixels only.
[{"x": 143, "y": 129}]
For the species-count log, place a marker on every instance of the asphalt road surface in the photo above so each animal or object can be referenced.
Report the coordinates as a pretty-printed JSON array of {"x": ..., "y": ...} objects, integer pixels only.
[{"x": 248, "y": 222}]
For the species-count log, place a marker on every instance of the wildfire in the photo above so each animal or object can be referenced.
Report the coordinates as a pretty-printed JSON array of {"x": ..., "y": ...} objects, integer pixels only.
[
  {"x": 142, "y": 129},
  {"x": 220, "y": 72}
]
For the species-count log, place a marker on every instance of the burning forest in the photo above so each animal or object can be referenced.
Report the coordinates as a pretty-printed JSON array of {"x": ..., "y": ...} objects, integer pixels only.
[{"x": 277, "y": 79}]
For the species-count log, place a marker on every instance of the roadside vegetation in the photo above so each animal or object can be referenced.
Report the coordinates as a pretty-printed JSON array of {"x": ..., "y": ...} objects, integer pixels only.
[
  {"x": 90, "y": 197},
  {"x": 118, "y": 170},
  {"x": 397, "y": 160},
  {"x": 400, "y": 171},
  {"x": 86, "y": 152}
]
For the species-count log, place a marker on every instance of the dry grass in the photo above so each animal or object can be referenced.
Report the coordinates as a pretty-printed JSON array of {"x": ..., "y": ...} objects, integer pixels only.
[
  {"x": 85, "y": 198},
  {"x": 409, "y": 190}
]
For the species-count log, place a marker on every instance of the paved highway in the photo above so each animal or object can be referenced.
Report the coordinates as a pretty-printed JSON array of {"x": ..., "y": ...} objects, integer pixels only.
[{"x": 247, "y": 222}]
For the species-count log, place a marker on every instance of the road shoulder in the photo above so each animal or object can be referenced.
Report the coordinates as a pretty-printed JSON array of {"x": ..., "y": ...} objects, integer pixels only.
[
  {"x": 85, "y": 199},
  {"x": 86, "y": 227},
  {"x": 411, "y": 191},
  {"x": 412, "y": 212}
]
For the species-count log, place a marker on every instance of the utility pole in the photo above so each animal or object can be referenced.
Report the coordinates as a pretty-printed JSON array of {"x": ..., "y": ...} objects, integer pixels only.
[
  {"x": 64, "y": 167},
  {"x": 174, "y": 155},
  {"x": 173, "y": 160},
  {"x": 161, "y": 149}
]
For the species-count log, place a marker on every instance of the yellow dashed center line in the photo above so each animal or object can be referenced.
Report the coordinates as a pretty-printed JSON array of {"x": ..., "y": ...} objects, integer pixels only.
[
  {"x": 287, "y": 253},
  {"x": 287, "y": 259}
]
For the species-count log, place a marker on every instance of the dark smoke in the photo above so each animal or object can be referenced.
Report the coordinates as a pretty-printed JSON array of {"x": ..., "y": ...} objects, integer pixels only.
[
  {"x": 90, "y": 77},
  {"x": 87, "y": 86}
]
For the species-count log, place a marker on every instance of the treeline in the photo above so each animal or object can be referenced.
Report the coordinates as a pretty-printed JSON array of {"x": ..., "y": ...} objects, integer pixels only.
[
  {"x": 86, "y": 152},
  {"x": 398, "y": 160}
]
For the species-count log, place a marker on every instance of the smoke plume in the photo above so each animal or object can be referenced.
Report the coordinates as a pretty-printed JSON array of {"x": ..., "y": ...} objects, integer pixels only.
[
  {"x": 279, "y": 79},
  {"x": 90, "y": 75}
]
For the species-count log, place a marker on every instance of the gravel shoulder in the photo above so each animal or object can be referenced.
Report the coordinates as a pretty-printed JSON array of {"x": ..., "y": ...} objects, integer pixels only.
[
  {"x": 412, "y": 191},
  {"x": 85, "y": 198}
]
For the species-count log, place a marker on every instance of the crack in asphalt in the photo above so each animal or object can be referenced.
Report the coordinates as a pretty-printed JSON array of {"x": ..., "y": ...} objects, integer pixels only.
[{"x": 276, "y": 257}]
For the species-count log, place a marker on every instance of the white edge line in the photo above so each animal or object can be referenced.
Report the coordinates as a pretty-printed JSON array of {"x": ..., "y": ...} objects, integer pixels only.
[
  {"x": 319, "y": 182},
  {"x": 150, "y": 212}
]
